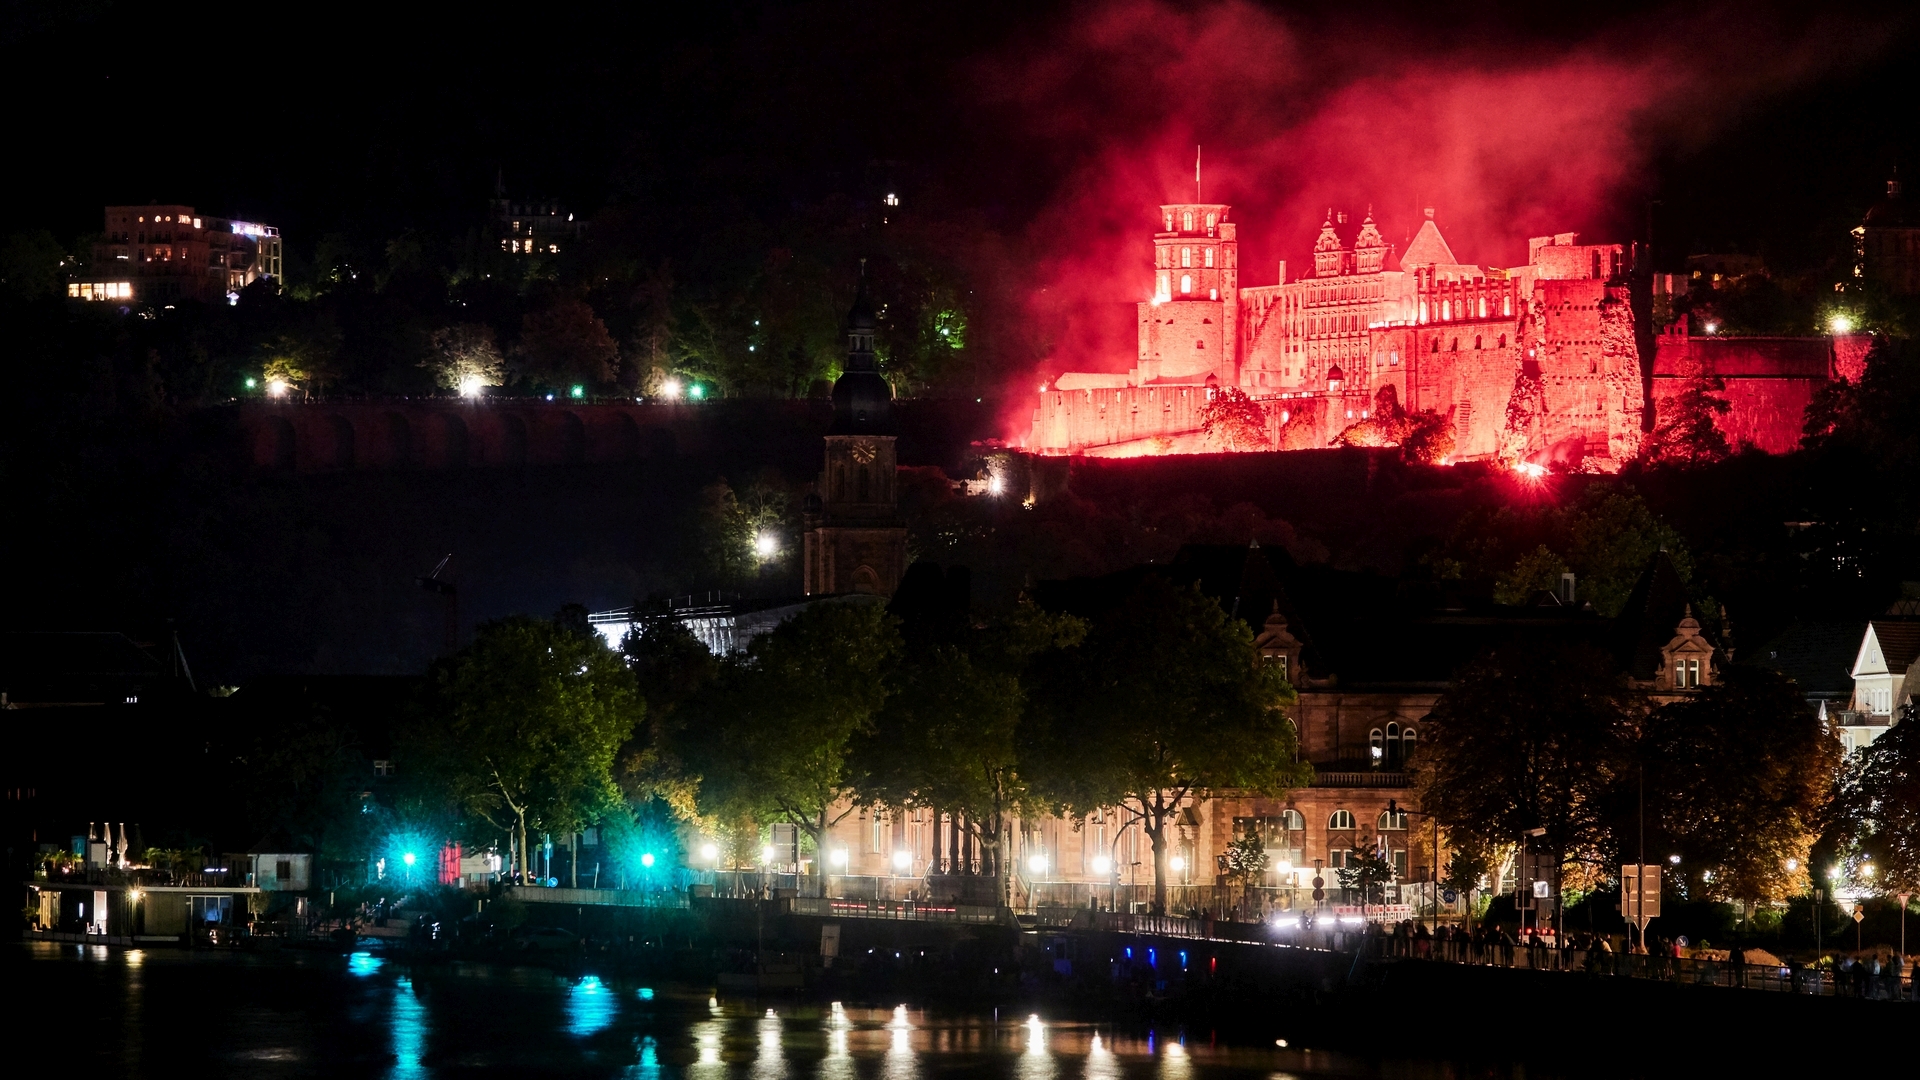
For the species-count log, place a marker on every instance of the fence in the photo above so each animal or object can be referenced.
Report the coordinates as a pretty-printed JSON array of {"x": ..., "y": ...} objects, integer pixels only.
[{"x": 906, "y": 911}]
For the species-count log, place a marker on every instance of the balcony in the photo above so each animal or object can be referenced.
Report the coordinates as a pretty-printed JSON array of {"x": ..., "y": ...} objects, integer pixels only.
[{"x": 1365, "y": 779}]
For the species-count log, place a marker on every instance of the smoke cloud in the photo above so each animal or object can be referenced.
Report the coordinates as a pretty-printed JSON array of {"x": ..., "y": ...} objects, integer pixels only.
[{"x": 1505, "y": 140}]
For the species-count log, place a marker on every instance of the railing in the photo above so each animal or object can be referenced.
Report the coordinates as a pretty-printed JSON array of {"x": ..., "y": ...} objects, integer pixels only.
[
  {"x": 534, "y": 894},
  {"x": 906, "y": 911},
  {"x": 1361, "y": 780}
]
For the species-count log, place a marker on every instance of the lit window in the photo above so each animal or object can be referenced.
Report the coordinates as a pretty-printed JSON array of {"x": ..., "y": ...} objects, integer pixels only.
[
  {"x": 1506, "y": 305},
  {"x": 1340, "y": 819},
  {"x": 1186, "y": 283},
  {"x": 1392, "y": 821},
  {"x": 1483, "y": 307},
  {"x": 1209, "y": 256},
  {"x": 1446, "y": 310},
  {"x": 1186, "y": 221},
  {"x": 1186, "y": 256},
  {"x": 1210, "y": 220}
]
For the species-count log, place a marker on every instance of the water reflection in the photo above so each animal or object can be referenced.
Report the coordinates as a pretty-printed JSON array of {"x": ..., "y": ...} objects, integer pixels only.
[
  {"x": 1101, "y": 1063},
  {"x": 363, "y": 964},
  {"x": 901, "y": 1063},
  {"x": 707, "y": 1035},
  {"x": 590, "y": 1006},
  {"x": 1174, "y": 1064},
  {"x": 409, "y": 1026},
  {"x": 838, "y": 1064},
  {"x": 648, "y": 1067},
  {"x": 1036, "y": 1063},
  {"x": 770, "y": 1063}
]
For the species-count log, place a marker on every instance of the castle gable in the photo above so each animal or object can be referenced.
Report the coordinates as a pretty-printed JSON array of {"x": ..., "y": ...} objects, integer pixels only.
[{"x": 1429, "y": 248}]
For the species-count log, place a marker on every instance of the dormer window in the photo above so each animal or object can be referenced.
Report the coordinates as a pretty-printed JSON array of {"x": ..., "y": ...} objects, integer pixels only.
[
  {"x": 1686, "y": 674},
  {"x": 1186, "y": 221}
]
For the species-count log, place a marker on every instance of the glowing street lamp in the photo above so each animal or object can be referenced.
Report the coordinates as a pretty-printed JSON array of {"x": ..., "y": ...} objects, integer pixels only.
[
  {"x": 646, "y": 860},
  {"x": 1037, "y": 863},
  {"x": 1177, "y": 863},
  {"x": 408, "y": 858},
  {"x": 710, "y": 852},
  {"x": 903, "y": 859},
  {"x": 670, "y": 389},
  {"x": 840, "y": 857},
  {"x": 767, "y": 854},
  {"x": 470, "y": 386},
  {"x": 1102, "y": 865},
  {"x": 696, "y": 391},
  {"x": 277, "y": 388},
  {"x": 1840, "y": 323},
  {"x": 252, "y": 382},
  {"x": 765, "y": 545}
]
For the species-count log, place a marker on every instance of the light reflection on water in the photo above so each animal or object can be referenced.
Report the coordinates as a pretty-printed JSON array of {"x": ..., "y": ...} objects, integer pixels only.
[{"x": 386, "y": 1017}]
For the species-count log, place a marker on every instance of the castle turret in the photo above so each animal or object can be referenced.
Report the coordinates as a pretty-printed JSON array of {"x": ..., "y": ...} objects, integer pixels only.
[{"x": 1190, "y": 326}]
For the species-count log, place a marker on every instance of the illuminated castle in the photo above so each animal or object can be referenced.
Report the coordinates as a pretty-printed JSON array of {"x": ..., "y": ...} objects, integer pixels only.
[{"x": 1526, "y": 363}]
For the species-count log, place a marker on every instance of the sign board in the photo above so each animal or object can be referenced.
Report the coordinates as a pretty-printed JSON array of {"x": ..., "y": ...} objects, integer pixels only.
[
  {"x": 1640, "y": 892},
  {"x": 1542, "y": 889},
  {"x": 1523, "y": 900},
  {"x": 829, "y": 943},
  {"x": 1375, "y": 912},
  {"x": 1449, "y": 895}
]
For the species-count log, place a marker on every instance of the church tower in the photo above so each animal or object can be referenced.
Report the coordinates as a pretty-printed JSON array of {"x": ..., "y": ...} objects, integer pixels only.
[
  {"x": 1190, "y": 329},
  {"x": 854, "y": 541}
]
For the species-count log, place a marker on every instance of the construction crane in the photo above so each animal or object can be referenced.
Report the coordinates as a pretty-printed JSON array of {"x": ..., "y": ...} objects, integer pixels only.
[{"x": 439, "y": 584}]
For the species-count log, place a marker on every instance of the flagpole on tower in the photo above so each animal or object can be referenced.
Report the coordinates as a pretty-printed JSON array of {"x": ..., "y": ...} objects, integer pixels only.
[{"x": 1196, "y": 173}]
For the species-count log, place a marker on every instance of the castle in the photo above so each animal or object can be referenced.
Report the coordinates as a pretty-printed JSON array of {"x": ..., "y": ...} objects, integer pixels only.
[{"x": 1539, "y": 363}]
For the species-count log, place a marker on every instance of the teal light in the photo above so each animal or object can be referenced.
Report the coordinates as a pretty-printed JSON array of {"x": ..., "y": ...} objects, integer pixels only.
[
  {"x": 252, "y": 382},
  {"x": 646, "y": 860},
  {"x": 696, "y": 391},
  {"x": 579, "y": 391},
  {"x": 407, "y": 858}
]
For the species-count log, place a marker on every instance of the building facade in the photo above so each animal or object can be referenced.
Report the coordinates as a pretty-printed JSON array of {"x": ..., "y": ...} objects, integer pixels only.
[
  {"x": 854, "y": 540},
  {"x": 162, "y": 254}
]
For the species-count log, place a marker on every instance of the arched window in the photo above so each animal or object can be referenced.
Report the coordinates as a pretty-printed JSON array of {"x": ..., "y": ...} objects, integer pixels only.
[
  {"x": 1209, "y": 256},
  {"x": 1292, "y": 821},
  {"x": 1483, "y": 307},
  {"x": 1376, "y": 746},
  {"x": 1186, "y": 221},
  {"x": 1446, "y": 310},
  {"x": 1503, "y": 341},
  {"x": 1436, "y": 345},
  {"x": 1392, "y": 820},
  {"x": 1393, "y": 746},
  {"x": 1169, "y": 221},
  {"x": 1456, "y": 344},
  {"x": 1506, "y": 305},
  {"x": 1340, "y": 819},
  {"x": 1186, "y": 283},
  {"x": 1210, "y": 220},
  {"x": 1186, "y": 256},
  {"x": 1408, "y": 739},
  {"x": 1476, "y": 341}
]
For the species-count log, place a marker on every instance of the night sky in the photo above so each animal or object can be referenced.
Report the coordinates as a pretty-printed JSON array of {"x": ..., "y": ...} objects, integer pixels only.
[{"x": 1760, "y": 129}]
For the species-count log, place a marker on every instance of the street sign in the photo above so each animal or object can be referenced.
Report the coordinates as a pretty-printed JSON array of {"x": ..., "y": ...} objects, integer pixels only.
[
  {"x": 1523, "y": 900},
  {"x": 1858, "y": 914},
  {"x": 1640, "y": 892},
  {"x": 1449, "y": 895},
  {"x": 1542, "y": 890}
]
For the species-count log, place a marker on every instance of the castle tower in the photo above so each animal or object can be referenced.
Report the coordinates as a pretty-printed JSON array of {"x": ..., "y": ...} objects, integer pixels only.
[
  {"x": 1369, "y": 248},
  {"x": 1329, "y": 258},
  {"x": 1190, "y": 329},
  {"x": 854, "y": 541}
]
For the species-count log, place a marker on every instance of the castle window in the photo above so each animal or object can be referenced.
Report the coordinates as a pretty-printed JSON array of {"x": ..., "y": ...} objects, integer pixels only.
[
  {"x": 1376, "y": 746},
  {"x": 1186, "y": 256},
  {"x": 1393, "y": 358},
  {"x": 1186, "y": 283},
  {"x": 1210, "y": 220},
  {"x": 1506, "y": 305},
  {"x": 1423, "y": 311},
  {"x": 1456, "y": 345},
  {"x": 1436, "y": 345},
  {"x": 1476, "y": 341},
  {"x": 1483, "y": 307},
  {"x": 1186, "y": 221},
  {"x": 1503, "y": 341},
  {"x": 1209, "y": 256}
]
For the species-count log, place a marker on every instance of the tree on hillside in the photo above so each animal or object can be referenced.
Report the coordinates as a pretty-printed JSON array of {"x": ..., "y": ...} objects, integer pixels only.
[
  {"x": 1530, "y": 736},
  {"x": 522, "y": 726},
  {"x": 669, "y": 666},
  {"x": 1875, "y": 814},
  {"x": 1234, "y": 421},
  {"x": 1688, "y": 431},
  {"x": 465, "y": 358},
  {"x": 566, "y": 344},
  {"x": 1736, "y": 780},
  {"x": 769, "y": 737},
  {"x": 1606, "y": 537},
  {"x": 1163, "y": 701}
]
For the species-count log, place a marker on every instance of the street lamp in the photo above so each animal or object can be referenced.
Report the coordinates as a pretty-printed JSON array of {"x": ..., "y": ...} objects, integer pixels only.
[
  {"x": 839, "y": 857},
  {"x": 902, "y": 860}
]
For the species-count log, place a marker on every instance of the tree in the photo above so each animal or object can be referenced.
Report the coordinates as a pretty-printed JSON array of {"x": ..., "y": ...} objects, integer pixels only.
[
  {"x": 768, "y": 739},
  {"x": 465, "y": 358},
  {"x": 566, "y": 344},
  {"x": 1247, "y": 859},
  {"x": 1736, "y": 780},
  {"x": 522, "y": 726},
  {"x": 742, "y": 533},
  {"x": 949, "y": 736},
  {"x": 1367, "y": 872},
  {"x": 1234, "y": 421},
  {"x": 1531, "y": 735},
  {"x": 670, "y": 666},
  {"x": 1688, "y": 433},
  {"x": 1875, "y": 814},
  {"x": 1164, "y": 700}
]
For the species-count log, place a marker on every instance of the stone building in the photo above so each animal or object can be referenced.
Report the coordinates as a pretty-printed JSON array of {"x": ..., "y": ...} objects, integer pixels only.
[
  {"x": 1543, "y": 362},
  {"x": 854, "y": 540},
  {"x": 1887, "y": 244},
  {"x": 161, "y": 254}
]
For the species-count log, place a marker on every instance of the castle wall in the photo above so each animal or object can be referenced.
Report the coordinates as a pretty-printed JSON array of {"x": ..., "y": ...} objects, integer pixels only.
[
  {"x": 1768, "y": 382},
  {"x": 1185, "y": 340}
]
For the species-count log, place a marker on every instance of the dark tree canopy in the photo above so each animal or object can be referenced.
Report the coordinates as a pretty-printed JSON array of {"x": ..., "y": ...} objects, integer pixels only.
[
  {"x": 1163, "y": 700},
  {"x": 1875, "y": 814}
]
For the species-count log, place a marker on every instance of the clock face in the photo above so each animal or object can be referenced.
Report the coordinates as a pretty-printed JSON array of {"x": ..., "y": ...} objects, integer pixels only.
[{"x": 864, "y": 452}]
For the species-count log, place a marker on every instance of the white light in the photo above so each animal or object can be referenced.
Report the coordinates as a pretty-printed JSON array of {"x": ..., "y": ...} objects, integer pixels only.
[
  {"x": 647, "y": 859},
  {"x": 1037, "y": 863},
  {"x": 994, "y": 486},
  {"x": 840, "y": 857},
  {"x": 277, "y": 387},
  {"x": 710, "y": 852},
  {"x": 670, "y": 389},
  {"x": 1281, "y": 1043},
  {"x": 766, "y": 854},
  {"x": 470, "y": 386},
  {"x": 407, "y": 858},
  {"x": 902, "y": 859},
  {"x": 1866, "y": 870},
  {"x": 1793, "y": 864},
  {"x": 1712, "y": 326},
  {"x": 1177, "y": 863},
  {"x": 1674, "y": 859},
  {"x": 1841, "y": 324},
  {"x": 765, "y": 544},
  {"x": 1102, "y": 864}
]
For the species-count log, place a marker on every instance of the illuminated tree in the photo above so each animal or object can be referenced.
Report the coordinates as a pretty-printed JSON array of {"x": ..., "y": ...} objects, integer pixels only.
[
  {"x": 1163, "y": 701},
  {"x": 522, "y": 727},
  {"x": 769, "y": 738},
  {"x": 743, "y": 532},
  {"x": 1736, "y": 780},
  {"x": 1688, "y": 431},
  {"x": 1367, "y": 872},
  {"x": 1424, "y": 437},
  {"x": 567, "y": 344},
  {"x": 1875, "y": 814},
  {"x": 465, "y": 358},
  {"x": 1532, "y": 735},
  {"x": 1234, "y": 421}
]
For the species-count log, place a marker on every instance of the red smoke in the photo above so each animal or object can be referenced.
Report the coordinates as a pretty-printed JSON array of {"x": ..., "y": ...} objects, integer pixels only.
[{"x": 1505, "y": 142}]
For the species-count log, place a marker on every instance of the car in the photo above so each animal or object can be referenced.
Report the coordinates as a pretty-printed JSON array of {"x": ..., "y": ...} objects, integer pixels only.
[{"x": 541, "y": 938}]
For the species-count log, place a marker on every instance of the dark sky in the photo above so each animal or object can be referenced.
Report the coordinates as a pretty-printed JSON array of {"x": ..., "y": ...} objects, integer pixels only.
[{"x": 373, "y": 119}]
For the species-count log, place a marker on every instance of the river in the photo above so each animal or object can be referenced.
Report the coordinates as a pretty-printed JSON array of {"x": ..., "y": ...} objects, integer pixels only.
[{"x": 91, "y": 1011}]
